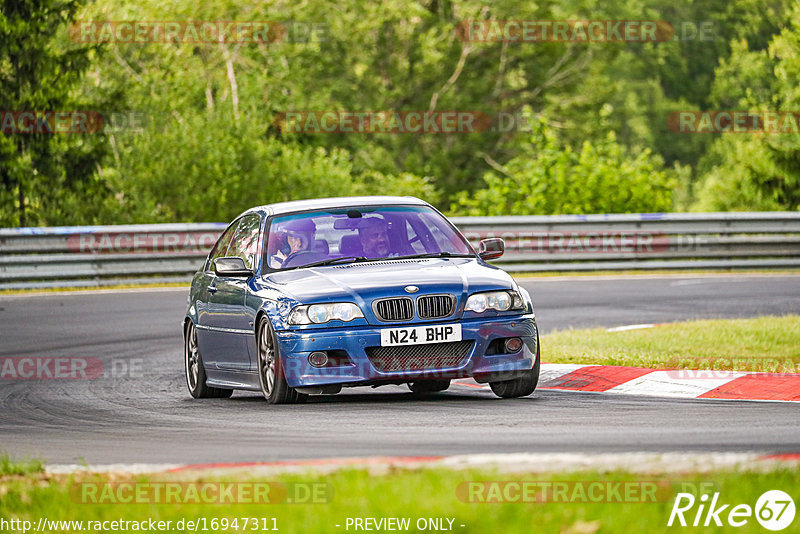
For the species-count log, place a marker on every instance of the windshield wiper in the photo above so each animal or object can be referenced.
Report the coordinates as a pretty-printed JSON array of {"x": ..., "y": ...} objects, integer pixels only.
[
  {"x": 433, "y": 255},
  {"x": 357, "y": 259},
  {"x": 334, "y": 261}
]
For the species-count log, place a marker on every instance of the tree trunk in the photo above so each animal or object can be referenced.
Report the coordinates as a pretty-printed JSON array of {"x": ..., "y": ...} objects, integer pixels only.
[{"x": 21, "y": 205}]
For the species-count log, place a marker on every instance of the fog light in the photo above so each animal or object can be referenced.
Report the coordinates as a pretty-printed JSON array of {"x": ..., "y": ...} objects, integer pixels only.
[
  {"x": 513, "y": 344},
  {"x": 318, "y": 359}
]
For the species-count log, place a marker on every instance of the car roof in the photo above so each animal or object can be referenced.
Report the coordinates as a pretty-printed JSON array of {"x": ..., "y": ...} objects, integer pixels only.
[{"x": 335, "y": 202}]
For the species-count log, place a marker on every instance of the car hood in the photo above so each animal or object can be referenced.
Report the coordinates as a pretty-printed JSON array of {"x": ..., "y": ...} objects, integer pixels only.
[{"x": 364, "y": 282}]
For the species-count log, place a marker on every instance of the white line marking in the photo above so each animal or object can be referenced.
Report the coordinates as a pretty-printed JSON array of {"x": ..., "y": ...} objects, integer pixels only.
[
  {"x": 64, "y": 469},
  {"x": 627, "y": 327},
  {"x": 690, "y": 282},
  {"x": 667, "y": 384},
  {"x": 523, "y": 462},
  {"x": 553, "y": 371}
]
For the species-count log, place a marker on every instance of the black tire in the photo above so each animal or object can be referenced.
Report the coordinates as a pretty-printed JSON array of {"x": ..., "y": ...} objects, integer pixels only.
[
  {"x": 298, "y": 398},
  {"x": 270, "y": 368},
  {"x": 195, "y": 371},
  {"x": 428, "y": 386},
  {"x": 519, "y": 387}
]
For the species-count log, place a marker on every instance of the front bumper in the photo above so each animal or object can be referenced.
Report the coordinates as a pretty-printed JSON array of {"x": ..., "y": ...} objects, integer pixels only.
[{"x": 296, "y": 346}]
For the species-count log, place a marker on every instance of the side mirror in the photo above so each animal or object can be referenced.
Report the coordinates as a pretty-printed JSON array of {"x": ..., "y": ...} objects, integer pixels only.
[
  {"x": 490, "y": 249},
  {"x": 232, "y": 266}
]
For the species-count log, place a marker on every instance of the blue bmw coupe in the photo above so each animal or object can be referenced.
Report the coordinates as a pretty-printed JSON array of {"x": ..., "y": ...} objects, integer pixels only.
[{"x": 308, "y": 297}]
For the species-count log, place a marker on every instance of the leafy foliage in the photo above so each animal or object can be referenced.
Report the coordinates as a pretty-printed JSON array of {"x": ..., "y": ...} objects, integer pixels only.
[
  {"x": 41, "y": 173},
  {"x": 759, "y": 171},
  {"x": 550, "y": 178},
  {"x": 208, "y": 146},
  {"x": 212, "y": 167}
]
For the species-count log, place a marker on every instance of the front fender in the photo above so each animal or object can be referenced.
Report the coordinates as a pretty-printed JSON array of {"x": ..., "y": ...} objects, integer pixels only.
[{"x": 277, "y": 311}]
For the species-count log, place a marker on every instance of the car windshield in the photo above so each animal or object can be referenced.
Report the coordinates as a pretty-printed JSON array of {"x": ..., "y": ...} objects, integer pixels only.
[{"x": 353, "y": 234}]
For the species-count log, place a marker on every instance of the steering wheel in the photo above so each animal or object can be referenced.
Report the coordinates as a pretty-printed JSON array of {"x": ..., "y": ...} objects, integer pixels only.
[{"x": 292, "y": 259}]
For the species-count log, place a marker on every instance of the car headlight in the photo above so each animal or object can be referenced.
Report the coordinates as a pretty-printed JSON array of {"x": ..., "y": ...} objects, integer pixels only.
[
  {"x": 494, "y": 300},
  {"x": 322, "y": 313}
]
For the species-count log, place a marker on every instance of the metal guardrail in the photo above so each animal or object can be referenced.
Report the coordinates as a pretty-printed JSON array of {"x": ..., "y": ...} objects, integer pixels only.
[
  {"x": 102, "y": 255},
  {"x": 650, "y": 241}
]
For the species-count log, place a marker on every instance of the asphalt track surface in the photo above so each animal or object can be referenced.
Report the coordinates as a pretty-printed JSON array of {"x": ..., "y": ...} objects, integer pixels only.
[{"x": 147, "y": 416}]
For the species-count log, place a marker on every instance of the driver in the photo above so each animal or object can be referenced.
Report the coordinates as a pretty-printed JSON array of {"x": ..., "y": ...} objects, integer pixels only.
[
  {"x": 299, "y": 235},
  {"x": 373, "y": 233}
]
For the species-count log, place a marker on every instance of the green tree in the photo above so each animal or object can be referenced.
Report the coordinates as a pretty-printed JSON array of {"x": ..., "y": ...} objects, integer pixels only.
[
  {"x": 757, "y": 171},
  {"x": 551, "y": 178},
  {"x": 42, "y": 175},
  {"x": 210, "y": 167},
  {"x": 210, "y": 147}
]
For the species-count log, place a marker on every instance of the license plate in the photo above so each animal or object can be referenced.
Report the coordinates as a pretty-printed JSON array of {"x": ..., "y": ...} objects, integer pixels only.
[{"x": 418, "y": 335}]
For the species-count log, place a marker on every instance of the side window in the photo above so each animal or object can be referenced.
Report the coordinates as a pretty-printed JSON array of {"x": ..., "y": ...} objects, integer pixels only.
[
  {"x": 245, "y": 240},
  {"x": 221, "y": 248}
]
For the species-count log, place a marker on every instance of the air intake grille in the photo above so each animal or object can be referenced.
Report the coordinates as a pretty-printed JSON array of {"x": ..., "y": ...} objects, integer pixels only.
[
  {"x": 435, "y": 306},
  {"x": 398, "y": 309},
  {"x": 410, "y": 358}
]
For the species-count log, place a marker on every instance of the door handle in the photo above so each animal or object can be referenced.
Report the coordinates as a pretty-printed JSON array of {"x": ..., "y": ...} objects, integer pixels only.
[{"x": 212, "y": 289}]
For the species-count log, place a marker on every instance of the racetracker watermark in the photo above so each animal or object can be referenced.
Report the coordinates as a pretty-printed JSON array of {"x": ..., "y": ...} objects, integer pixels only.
[
  {"x": 387, "y": 121},
  {"x": 709, "y": 122},
  {"x": 68, "y": 368},
  {"x": 585, "y": 491},
  {"x": 143, "y": 242},
  {"x": 50, "y": 122},
  {"x": 155, "y": 492},
  {"x": 502, "y": 122},
  {"x": 581, "y": 242},
  {"x": 72, "y": 122},
  {"x": 198, "y": 32},
  {"x": 537, "y": 31}
]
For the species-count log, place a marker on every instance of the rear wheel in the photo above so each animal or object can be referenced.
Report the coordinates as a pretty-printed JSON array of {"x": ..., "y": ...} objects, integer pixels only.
[
  {"x": 195, "y": 372},
  {"x": 428, "y": 386},
  {"x": 518, "y": 387},
  {"x": 270, "y": 369}
]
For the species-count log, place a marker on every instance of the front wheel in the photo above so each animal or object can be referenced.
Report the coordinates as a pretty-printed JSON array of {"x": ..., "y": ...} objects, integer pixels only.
[
  {"x": 270, "y": 369},
  {"x": 518, "y": 387},
  {"x": 195, "y": 372}
]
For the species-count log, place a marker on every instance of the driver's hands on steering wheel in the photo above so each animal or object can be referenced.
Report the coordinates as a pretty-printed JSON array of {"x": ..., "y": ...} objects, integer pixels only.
[{"x": 287, "y": 261}]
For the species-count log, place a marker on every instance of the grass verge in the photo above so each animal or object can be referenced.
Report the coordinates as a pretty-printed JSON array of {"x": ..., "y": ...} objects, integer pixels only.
[
  {"x": 764, "y": 344},
  {"x": 24, "y": 467},
  {"x": 619, "y": 502}
]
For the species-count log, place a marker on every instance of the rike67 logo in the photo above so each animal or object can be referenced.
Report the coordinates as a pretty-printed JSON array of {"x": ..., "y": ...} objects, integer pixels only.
[{"x": 774, "y": 510}]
